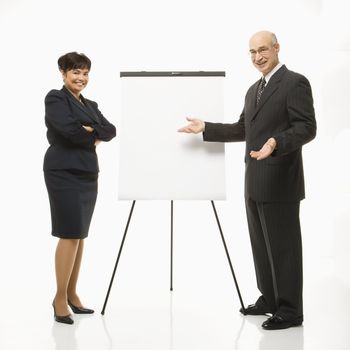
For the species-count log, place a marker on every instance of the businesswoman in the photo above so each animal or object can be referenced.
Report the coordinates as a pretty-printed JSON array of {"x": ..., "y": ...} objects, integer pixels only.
[{"x": 75, "y": 126}]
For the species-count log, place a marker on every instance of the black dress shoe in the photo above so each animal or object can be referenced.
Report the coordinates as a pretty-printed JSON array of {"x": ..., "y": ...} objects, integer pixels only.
[
  {"x": 254, "y": 309},
  {"x": 62, "y": 319},
  {"x": 80, "y": 310},
  {"x": 278, "y": 322}
]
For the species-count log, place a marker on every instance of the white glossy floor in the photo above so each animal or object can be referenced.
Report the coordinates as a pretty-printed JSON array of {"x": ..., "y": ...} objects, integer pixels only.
[{"x": 201, "y": 312}]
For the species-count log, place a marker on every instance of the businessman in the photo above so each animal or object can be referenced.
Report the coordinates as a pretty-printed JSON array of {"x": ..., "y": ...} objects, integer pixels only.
[{"x": 277, "y": 120}]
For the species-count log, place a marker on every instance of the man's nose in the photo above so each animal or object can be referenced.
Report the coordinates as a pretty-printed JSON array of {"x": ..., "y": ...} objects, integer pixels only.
[{"x": 258, "y": 57}]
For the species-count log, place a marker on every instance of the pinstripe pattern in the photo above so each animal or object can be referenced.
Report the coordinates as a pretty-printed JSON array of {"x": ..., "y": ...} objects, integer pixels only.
[
  {"x": 71, "y": 147},
  {"x": 286, "y": 113},
  {"x": 274, "y": 186},
  {"x": 276, "y": 228}
]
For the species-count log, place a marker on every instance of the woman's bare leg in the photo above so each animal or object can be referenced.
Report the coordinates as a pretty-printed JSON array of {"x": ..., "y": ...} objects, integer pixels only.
[
  {"x": 65, "y": 258},
  {"x": 72, "y": 285}
]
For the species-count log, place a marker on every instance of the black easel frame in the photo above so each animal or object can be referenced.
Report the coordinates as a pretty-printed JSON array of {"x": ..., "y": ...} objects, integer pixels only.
[{"x": 171, "y": 253}]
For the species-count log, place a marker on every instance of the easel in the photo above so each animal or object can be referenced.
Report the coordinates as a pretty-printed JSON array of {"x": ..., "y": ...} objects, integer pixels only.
[{"x": 171, "y": 253}]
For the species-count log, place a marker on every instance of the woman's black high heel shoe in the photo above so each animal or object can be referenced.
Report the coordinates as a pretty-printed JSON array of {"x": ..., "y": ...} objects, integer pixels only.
[
  {"x": 80, "y": 310},
  {"x": 61, "y": 319}
]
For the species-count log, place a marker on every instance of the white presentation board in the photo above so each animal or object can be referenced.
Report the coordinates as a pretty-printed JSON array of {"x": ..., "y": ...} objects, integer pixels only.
[{"x": 156, "y": 161}]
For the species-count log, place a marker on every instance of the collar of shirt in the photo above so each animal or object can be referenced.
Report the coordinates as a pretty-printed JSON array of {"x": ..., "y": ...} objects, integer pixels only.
[{"x": 270, "y": 74}]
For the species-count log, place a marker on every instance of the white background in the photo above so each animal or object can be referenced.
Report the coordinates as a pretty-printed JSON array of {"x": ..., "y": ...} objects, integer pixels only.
[{"x": 168, "y": 35}]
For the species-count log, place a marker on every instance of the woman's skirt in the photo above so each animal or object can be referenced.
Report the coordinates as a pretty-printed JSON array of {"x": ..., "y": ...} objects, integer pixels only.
[{"x": 72, "y": 195}]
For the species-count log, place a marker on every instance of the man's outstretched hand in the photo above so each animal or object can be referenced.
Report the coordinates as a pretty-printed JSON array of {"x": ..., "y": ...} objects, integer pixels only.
[{"x": 194, "y": 127}]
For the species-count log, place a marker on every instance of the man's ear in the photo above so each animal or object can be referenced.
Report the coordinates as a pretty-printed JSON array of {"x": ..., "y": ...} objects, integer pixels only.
[{"x": 277, "y": 47}]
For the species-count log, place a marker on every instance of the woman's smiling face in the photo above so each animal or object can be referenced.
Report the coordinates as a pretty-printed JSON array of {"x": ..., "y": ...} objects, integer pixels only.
[{"x": 76, "y": 80}]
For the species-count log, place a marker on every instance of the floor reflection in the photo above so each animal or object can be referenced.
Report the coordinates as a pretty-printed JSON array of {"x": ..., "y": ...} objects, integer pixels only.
[
  {"x": 286, "y": 339},
  {"x": 64, "y": 336}
]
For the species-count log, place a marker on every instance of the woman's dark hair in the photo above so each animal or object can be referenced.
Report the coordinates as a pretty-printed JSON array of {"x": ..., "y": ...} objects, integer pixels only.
[{"x": 73, "y": 60}]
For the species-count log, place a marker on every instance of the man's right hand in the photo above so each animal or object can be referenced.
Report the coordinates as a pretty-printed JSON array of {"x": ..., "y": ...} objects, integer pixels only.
[{"x": 196, "y": 126}]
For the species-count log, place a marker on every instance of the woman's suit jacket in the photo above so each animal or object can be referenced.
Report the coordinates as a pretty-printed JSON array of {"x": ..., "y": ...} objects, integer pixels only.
[
  {"x": 71, "y": 146},
  {"x": 285, "y": 112}
]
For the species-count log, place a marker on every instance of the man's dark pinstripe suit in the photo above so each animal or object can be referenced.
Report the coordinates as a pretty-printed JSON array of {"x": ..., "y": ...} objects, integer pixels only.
[{"x": 274, "y": 186}]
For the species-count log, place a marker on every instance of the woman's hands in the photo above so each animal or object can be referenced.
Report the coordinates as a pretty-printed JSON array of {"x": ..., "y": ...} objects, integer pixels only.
[
  {"x": 88, "y": 128},
  {"x": 91, "y": 129}
]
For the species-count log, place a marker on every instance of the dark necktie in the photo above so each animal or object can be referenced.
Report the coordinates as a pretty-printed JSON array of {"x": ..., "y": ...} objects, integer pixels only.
[{"x": 261, "y": 88}]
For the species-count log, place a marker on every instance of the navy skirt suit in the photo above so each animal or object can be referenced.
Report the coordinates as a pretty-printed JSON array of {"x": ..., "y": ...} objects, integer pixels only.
[{"x": 70, "y": 163}]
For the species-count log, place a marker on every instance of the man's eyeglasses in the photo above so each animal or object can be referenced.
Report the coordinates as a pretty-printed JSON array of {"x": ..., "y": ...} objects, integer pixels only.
[{"x": 262, "y": 51}]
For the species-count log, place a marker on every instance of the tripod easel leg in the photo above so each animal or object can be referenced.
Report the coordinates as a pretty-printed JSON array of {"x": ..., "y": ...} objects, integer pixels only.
[
  {"x": 171, "y": 244},
  {"x": 228, "y": 256},
  {"x": 117, "y": 261}
]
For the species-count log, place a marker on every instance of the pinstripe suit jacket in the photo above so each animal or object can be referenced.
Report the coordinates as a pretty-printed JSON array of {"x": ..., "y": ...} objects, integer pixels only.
[
  {"x": 71, "y": 146},
  {"x": 285, "y": 112}
]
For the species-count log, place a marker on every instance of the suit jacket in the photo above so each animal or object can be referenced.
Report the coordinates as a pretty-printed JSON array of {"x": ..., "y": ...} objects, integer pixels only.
[
  {"x": 285, "y": 112},
  {"x": 71, "y": 146}
]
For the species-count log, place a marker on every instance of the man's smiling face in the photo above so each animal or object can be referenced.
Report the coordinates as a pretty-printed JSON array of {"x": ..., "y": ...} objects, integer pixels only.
[{"x": 264, "y": 51}]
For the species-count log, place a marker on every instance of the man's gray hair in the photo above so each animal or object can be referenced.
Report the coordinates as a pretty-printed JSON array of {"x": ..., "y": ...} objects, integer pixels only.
[{"x": 274, "y": 39}]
